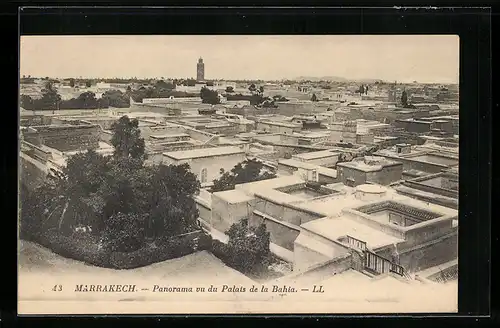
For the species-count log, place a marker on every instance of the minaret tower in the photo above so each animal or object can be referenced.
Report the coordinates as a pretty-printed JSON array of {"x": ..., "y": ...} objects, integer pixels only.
[{"x": 200, "y": 70}]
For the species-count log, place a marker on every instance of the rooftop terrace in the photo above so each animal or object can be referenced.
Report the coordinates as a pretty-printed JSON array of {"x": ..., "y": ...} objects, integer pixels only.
[
  {"x": 307, "y": 166},
  {"x": 317, "y": 154},
  {"x": 336, "y": 227},
  {"x": 205, "y": 152},
  {"x": 369, "y": 163}
]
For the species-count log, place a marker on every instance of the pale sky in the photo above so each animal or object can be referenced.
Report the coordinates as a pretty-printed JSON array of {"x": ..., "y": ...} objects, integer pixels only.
[{"x": 404, "y": 58}]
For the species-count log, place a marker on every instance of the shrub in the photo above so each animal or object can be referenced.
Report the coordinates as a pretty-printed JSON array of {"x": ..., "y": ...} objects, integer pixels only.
[
  {"x": 237, "y": 257},
  {"x": 221, "y": 251},
  {"x": 73, "y": 248},
  {"x": 124, "y": 232},
  {"x": 167, "y": 250},
  {"x": 205, "y": 242}
]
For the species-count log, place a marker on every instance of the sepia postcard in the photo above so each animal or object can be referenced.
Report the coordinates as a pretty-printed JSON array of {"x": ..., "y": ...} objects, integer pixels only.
[{"x": 232, "y": 174}]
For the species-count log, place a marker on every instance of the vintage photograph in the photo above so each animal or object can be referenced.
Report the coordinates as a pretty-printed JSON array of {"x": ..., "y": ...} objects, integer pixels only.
[{"x": 238, "y": 174}]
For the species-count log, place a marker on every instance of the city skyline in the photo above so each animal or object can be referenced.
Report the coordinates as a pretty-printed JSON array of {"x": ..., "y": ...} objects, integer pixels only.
[{"x": 422, "y": 58}]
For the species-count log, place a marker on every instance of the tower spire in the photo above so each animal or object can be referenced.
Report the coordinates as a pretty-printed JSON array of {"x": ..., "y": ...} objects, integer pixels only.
[{"x": 200, "y": 70}]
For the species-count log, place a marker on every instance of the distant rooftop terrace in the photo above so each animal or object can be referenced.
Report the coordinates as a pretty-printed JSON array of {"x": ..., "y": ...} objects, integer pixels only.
[
  {"x": 397, "y": 213},
  {"x": 306, "y": 191}
]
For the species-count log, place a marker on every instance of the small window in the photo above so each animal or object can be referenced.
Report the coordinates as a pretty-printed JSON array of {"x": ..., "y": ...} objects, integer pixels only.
[{"x": 203, "y": 175}]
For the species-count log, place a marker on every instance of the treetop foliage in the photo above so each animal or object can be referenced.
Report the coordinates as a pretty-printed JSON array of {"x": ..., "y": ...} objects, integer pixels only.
[
  {"x": 127, "y": 139},
  {"x": 249, "y": 170},
  {"x": 248, "y": 246},
  {"x": 209, "y": 96},
  {"x": 123, "y": 200}
]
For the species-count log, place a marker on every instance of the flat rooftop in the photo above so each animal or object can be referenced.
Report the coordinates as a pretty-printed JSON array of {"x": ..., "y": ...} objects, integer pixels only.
[
  {"x": 144, "y": 114},
  {"x": 444, "y": 149},
  {"x": 333, "y": 205},
  {"x": 315, "y": 134},
  {"x": 453, "y": 169},
  {"x": 369, "y": 163},
  {"x": 298, "y": 164},
  {"x": 204, "y": 152},
  {"x": 279, "y": 196},
  {"x": 436, "y": 159},
  {"x": 307, "y": 166},
  {"x": 336, "y": 227},
  {"x": 412, "y": 120},
  {"x": 317, "y": 154},
  {"x": 381, "y": 138},
  {"x": 433, "y": 270},
  {"x": 233, "y": 196},
  {"x": 171, "y": 135},
  {"x": 280, "y": 123},
  {"x": 254, "y": 187}
]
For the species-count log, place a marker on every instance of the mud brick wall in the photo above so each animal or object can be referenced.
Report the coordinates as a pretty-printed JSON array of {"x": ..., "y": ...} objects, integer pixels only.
[
  {"x": 285, "y": 213},
  {"x": 387, "y": 175},
  {"x": 280, "y": 234},
  {"x": 430, "y": 254},
  {"x": 32, "y": 172},
  {"x": 70, "y": 138},
  {"x": 32, "y": 137},
  {"x": 34, "y": 120}
]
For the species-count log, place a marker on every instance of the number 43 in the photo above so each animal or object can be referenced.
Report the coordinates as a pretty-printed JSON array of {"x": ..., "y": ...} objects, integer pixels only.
[{"x": 57, "y": 288}]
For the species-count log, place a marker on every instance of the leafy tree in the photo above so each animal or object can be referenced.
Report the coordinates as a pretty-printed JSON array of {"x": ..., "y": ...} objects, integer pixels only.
[
  {"x": 361, "y": 89},
  {"x": 27, "y": 102},
  {"x": 50, "y": 98},
  {"x": 120, "y": 198},
  {"x": 85, "y": 172},
  {"x": 268, "y": 103},
  {"x": 26, "y": 80},
  {"x": 86, "y": 100},
  {"x": 229, "y": 89},
  {"x": 40, "y": 208},
  {"x": 252, "y": 88},
  {"x": 164, "y": 85},
  {"x": 209, "y": 96},
  {"x": 255, "y": 238},
  {"x": 190, "y": 82},
  {"x": 88, "y": 83},
  {"x": 248, "y": 171},
  {"x": 127, "y": 139},
  {"x": 256, "y": 99},
  {"x": 314, "y": 98},
  {"x": 115, "y": 98},
  {"x": 80, "y": 183},
  {"x": 248, "y": 246},
  {"x": 172, "y": 209},
  {"x": 261, "y": 89},
  {"x": 404, "y": 99},
  {"x": 72, "y": 83},
  {"x": 124, "y": 232}
]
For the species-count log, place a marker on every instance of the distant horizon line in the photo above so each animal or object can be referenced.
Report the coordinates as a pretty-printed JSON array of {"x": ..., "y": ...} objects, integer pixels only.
[{"x": 315, "y": 79}]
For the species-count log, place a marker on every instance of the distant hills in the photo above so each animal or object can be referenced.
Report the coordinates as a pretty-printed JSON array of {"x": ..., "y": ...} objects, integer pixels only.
[
  {"x": 323, "y": 78},
  {"x": 333, "y": 79}
]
